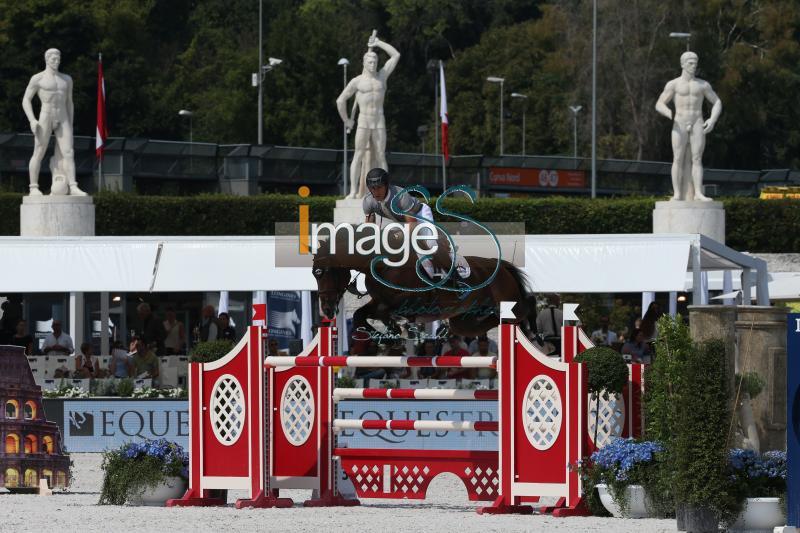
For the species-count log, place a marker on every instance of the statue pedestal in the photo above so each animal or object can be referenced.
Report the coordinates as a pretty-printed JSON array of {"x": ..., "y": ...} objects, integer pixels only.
[
  {"x": 348, "y": 212},
  {"x": 676, "y": 216},
  {"x": 56, "y": 216}
]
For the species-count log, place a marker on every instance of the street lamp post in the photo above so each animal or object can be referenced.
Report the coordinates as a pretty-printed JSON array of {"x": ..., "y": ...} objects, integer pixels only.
[
  {"x": 594, "y": 99},
  {"x": 575, "y": 110},
  {"x": 272, "y": 62},
  {"x": 524, "y": 98},
  {"x": 682, "y": 35},
  {"x": 501, "y": 81},
  {"x": 190, "y": 114},
  {"x": 344, "y": 62}
]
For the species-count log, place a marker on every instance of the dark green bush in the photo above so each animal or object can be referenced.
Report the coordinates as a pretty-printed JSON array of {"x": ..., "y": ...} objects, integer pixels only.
[
  {"x": 700, "y": 454},
  {"x": 205, "y": 352},
  {"x": 750, "y": 222}
]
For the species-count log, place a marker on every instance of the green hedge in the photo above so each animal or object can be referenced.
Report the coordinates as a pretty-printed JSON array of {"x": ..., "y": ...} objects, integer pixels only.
[{"x": 752, "y": 224}]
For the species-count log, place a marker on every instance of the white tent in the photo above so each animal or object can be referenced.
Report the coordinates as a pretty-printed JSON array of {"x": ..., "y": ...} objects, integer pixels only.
[{"x": 554, "y": 263}]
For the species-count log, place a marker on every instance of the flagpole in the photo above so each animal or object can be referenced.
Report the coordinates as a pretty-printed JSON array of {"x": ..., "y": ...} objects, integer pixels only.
[
  {"x": 441, "y": 120},
  {"x": 101, "y": 180}
]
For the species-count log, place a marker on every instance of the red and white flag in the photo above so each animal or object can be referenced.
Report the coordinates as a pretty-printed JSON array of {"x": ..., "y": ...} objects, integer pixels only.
[
  {"x": 102, "y": 129},
  {"x": 443, "y": 112}
]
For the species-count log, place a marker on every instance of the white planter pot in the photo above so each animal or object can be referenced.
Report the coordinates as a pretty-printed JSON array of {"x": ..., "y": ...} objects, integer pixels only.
[
  {"x": 636, "y": 496},
  {"x": 171, "y": 487},
  {"x": 759, "y": 514}
]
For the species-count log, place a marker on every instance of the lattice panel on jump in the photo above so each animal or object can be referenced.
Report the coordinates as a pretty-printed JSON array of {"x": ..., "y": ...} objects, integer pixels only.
[
  {"x": 542, "y": 410},
  {"x": 409, "y": 478},
  {"x": 611, "y": 421},
  {"x": 227, "y": 409},
  {"x": 297, "y": 410}
]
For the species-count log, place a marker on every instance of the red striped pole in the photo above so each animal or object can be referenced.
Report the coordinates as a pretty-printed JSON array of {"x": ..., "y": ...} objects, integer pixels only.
[
  {"x": 449, "y": 361},
  {"x": 414, "y": 425},
  {"x": 414, "y": 394}
]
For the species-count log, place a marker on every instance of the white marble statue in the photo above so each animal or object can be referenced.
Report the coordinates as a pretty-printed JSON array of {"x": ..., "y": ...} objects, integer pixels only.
[
  {"x": 369, "y": 89},
  {"x": 55, "y": 116},
  {"x": 688, "y": 127}
]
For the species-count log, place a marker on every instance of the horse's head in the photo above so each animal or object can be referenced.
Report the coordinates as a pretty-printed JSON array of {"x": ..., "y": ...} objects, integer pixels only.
[{"x": 332, "y": 282}]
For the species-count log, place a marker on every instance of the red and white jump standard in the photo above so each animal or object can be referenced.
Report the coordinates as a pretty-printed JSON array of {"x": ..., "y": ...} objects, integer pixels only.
[{"x": 542, "y": 426}]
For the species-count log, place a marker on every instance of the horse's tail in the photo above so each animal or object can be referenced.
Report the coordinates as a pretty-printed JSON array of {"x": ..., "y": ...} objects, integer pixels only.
[{"x": 523, "y": 285}]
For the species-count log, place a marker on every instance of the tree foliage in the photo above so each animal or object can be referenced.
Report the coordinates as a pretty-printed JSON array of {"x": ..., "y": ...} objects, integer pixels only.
[{"x": 162, "y": 56}]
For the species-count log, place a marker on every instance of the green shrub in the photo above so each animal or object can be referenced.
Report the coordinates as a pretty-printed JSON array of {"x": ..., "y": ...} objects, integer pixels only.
[
  {"x": 205, "y": 352},
  {"x": 664, "y": 385},
  {"x": 700, "y": 453},
  {"x": 750, "y": 222},
  {"x": 125, "y": 388}
]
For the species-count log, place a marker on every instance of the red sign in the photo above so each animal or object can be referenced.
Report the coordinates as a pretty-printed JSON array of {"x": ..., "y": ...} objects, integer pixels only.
[{"x": 537, "y": 178}]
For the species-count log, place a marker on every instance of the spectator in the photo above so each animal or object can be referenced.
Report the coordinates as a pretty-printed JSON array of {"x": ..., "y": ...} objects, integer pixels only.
[
  {"x": 208, "y": 326},
  {"x": 649, "y": 327},
  {"x": 428, "y": 348},
  {"x": 636, "y": 350},
  {"x": 548, "y": 325},
  {"x": 226, "y": 331},
  {"x": 484, "y": 350},
  {"x": 121, "y": 365},
  {"x": 12, "y": 313},
  {"x": 151, "y": 331},
  {"x": 58, "y": 342},
  {"x": 22, "y": 338},
  {"x": 456, "y": 349},
  {"x": 473, "y": 346},
  {"x": 273, "y": 348},
  {"x": 604, "y": 336},
  {"x": 174, "y": 334},
  {"x": 370, "y": 373},
  {"x": 145, "y": 362},
  {"x": 85, "y": 365}
]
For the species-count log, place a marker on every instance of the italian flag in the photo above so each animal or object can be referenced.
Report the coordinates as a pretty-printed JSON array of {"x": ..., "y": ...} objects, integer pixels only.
[
  {"x": 443, "y": 112},
  {"x": 102, "y": 129}
]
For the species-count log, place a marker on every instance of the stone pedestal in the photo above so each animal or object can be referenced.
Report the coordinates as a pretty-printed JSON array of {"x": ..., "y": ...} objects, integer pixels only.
[
  {"x": 762, "y": 349},
  {"x": 708, "y": 322},
  {"x": 348, "y": 212},
  {"x": 56, "y": 216},
  {"x": 675, "y": 216}
]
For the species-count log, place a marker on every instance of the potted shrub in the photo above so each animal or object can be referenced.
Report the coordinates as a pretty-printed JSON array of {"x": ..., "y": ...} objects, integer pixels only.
[
  {"x": 607, "y": 376},
  {"x": 205, "y": 352},
  {"x": 760, "y": 487},
  {"x": 664, "y": 379},
  {"x": 621, "y": 471},
  {"x": 700, "y": 444},
  {"x": 144, "y": 473}
]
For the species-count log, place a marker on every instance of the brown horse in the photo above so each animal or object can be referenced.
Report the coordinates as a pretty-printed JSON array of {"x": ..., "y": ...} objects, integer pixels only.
[{"x": 403, "y": 295}]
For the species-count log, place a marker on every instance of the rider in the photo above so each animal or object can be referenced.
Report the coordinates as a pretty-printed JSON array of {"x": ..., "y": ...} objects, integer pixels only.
[{"x": 378, "y": 201}]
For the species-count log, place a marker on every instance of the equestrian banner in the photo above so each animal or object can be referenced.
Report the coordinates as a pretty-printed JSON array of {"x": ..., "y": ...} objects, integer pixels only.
[{"x": 284, "y": 312}]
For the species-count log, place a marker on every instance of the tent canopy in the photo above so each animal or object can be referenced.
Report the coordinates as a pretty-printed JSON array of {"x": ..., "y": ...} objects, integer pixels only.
[{"x": 553, "y": 263}]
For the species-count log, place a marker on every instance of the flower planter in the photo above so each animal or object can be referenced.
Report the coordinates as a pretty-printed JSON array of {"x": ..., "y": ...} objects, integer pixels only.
[
  {"x": 636, "y": 496},
  {"x": 171, "y": 487},
  {"x": 759, "y": 514},
  {"x": 700, "y": 519}
]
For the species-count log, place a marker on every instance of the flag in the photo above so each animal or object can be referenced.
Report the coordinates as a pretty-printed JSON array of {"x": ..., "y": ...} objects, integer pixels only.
[
  {"x": 102, "y": 129},
  {"x": 443, "y": 112}
]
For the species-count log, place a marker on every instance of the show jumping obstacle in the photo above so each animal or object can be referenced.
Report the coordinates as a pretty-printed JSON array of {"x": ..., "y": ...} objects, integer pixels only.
[{"x": 543, "y": 410}]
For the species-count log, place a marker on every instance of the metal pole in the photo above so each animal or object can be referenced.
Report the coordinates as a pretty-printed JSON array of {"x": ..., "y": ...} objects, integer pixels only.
[
  {"x": 594, "y": 99},
  {"x": 523, "y": 130},
  {"x": 436, "y": 117},
  {"x": 575, "y": 136},
  {"x": 344, "y": 137},
  {"x": 260, "y": 74},
  {"x": 501, "y": 118}
]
